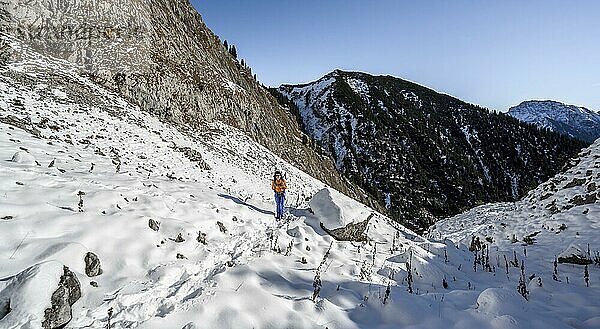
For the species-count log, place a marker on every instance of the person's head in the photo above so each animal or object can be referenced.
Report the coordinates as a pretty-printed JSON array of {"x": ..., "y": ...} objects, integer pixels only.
[{"x": 277, "y": 174}]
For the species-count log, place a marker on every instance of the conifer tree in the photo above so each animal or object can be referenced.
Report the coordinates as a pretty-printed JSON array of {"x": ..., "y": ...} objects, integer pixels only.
[{"x": 586, "y": 276}]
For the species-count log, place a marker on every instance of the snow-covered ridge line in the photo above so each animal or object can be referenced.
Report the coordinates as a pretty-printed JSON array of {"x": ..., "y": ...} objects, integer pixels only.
[{"x": 574, "y": 121}]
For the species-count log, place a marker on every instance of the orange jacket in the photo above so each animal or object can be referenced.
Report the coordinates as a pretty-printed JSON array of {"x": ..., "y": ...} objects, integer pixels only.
[{"x": 278, "y": 185}]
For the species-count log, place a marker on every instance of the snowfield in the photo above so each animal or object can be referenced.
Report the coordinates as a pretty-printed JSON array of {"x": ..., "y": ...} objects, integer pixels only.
[{"x": 181, "y": 220}]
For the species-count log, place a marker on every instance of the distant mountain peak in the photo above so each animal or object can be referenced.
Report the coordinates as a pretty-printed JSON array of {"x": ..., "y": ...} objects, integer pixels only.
[{"x": 571, "y": 120}]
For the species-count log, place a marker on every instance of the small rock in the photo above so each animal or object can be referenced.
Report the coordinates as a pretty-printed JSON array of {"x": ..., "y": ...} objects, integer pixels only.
[
  {"x": 222, "y": 227},
  {"x": 201, "y": 237},
  {"x": 7, "y": 217},
  {"x": 92, "y": 265},
  {"x": 180, "y": 256},
  {"x": 153, "y": 224},
  {"x": 94, "y": 284},
  {"x": 179, "y": 238},
  {"x": 592, "y": 187}
]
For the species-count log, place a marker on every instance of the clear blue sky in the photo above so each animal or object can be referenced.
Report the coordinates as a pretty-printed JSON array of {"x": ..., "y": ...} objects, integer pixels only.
[{"x": 491, "y": 53}]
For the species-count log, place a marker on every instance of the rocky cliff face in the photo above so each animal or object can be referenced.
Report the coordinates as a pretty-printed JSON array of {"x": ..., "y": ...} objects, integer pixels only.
[
  {"x": 161, "y": 56},
  {"x": 425, "y": 155},
  {"x": 574, "y": 121}
]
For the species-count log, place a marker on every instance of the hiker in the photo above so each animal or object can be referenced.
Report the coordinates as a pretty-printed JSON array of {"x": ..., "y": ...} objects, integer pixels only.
[{"x": 278, "y": 185}]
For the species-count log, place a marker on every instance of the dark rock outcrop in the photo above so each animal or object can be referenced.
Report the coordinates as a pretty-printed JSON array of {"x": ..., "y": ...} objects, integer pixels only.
[
  {"x": 92, "y": 265},
  {"x": 4, "y": 306},
  {"x": 351, "y": 232},
  {"x": 67, "y": 293},
  {"x": 580, "y": 200},
  {"x": 575, "y": 259}
]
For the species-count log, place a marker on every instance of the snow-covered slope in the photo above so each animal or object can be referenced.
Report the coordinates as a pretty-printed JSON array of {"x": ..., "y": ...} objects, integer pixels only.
[
  {"x": 182, "y": 224},
  {"x": 160, "y": 56},
  {"x": 570, "y": 120},
  {"x": 558, "y": 220}
]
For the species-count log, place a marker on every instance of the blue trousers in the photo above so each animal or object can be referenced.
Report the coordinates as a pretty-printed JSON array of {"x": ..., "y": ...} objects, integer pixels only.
[{"x": 279, "y": 200}]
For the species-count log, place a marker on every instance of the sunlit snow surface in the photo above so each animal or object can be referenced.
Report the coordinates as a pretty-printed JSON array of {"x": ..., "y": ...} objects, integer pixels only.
[{"x": 259, "y": 273}]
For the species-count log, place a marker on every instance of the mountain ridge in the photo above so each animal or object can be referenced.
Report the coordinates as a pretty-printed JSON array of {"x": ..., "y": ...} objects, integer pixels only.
[
  {"x": 367, "y": 121},
  {"x": 571, "y": 120},
  {"x": 162, "y": 57}
]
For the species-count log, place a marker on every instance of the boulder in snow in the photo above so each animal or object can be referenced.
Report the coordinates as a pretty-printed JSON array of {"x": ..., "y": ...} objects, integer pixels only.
[
  {"x": 23, "y": 158},
  {"x": 339, "y": 216},
  {"x": 41, "y": 295},
  {"x": 67, "y": 293},
  {"x": 92, "y": 265},
  {"x": 574, "y": 255},
  {"x": 499, "y": 302}
]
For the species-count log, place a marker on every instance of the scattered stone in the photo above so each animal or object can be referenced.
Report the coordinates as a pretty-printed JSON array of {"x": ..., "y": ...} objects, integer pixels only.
[
  {"x": 7, "y": 217},
  {"x": 179, "y": 238},
  {"x": 19, "y": 183},
  {"x": 194, "y": 156},
  {"x": 222, "y": 227},
  {"x": 201, "y": 237},
  {"x": 153, "y": 224},
  {"x": 67, "y": 293},
  {"x": 24, "y": 124},
  {"x": 92, "y": 265}
]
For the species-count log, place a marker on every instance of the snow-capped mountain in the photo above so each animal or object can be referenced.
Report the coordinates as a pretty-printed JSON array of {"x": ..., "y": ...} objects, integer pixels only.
[
  {"x": 425, "y": 155},
  {"x": 111, "y": 217},
  {"x": 574, "y": 121},
  {"x": 161, "y": 56}
]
